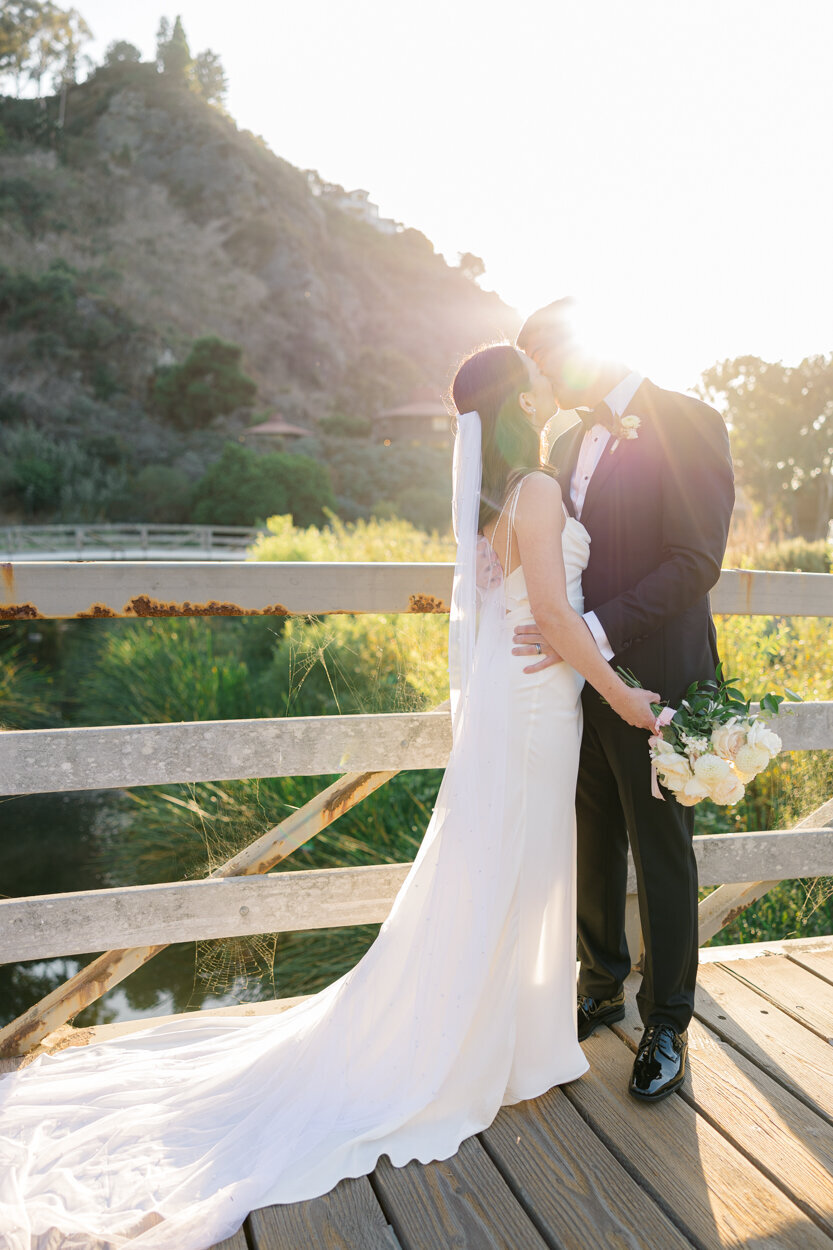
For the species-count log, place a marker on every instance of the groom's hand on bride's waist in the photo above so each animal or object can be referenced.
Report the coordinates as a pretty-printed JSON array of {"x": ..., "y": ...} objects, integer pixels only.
[{"x": 528, "y": 640}]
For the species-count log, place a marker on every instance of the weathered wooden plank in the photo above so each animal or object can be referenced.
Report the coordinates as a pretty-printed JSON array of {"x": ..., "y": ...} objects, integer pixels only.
[
  {"x": 787, "y": 1141},
  {"x": 787, "y": 1051},
  {"x": 570, "y": 1184},
  {"x": 66, "y": 1000},
  {"x": 120, "y": 587},
  {"x": 742, "y": 592},
  {"x": 39, "y": 760},
  {"x": 35, "y": 761},
  {"x": 53, "y": 925},
  {"x": 728, "y": 901},
  {"x": 231, "y": 588},
  {"x": 462, "y": 1202},
  {"x": 799, "y": 993},
  {"x": 804, "y": 726},
  {"x": 185, "y": 911},
  {"x": 779, "y": 854},
  {"x": 714, "y": 1194},
  {"x": 818, "y": 962},
  {"x": 237, "y": 1242},
  {"x": 347, "y": 1218}
]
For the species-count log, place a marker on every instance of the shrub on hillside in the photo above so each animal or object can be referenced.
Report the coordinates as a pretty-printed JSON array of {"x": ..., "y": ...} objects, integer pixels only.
[
  {"x": 371, "y": 477},
  {"x": 208, "y": 384},
  {"x": 56, "y": 480},
  {"x": 242, "y": 488},
  {"x": 159, "y": 494},
  {"x": 340, "y": 425}
]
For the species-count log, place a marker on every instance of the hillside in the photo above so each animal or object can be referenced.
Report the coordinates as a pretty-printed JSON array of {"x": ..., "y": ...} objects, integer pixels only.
[{"x": 150, "y": 221}]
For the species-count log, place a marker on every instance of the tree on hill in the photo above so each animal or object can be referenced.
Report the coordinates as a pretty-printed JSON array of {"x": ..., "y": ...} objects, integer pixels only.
[
  {"x": 203, "y": 73},
  {"x": 174, "y": 54},
  {"x": 209, "y": 77},
  {"x": 781, "y": 423},
  {"x": 471, "y": 266},
  {"x": 120, "y": 52},
  {"x": 209, "y": 383},
  {"x": 242, "y": 488},
  {"x": 37, "y": 37}
]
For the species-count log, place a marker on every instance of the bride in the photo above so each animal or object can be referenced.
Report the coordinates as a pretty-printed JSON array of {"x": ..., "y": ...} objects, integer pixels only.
[{"x": 166, "y": 1139}]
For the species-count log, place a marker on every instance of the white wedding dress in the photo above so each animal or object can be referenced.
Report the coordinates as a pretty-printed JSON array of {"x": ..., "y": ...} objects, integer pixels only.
[{"x": 166, "y": 1139}]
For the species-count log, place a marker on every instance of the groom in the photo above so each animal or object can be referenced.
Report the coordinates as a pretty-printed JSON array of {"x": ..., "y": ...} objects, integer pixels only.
[{"x": 649, "y": 474}]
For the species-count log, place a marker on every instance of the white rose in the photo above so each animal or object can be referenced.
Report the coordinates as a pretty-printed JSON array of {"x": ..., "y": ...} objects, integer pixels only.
[
  {"x": 710, "y": 769},
  {"x": 630, "y": 427},
  {"x": 728, "y": 739},
  {"x": 727, "y": 792},
  {"x": 659, "y": 746},
  {"x": 751, "y": 759},
  {"x": 692, "y": 792},
  {"x": 760, "y": 736},
  {"x": 674, "y": 771}
]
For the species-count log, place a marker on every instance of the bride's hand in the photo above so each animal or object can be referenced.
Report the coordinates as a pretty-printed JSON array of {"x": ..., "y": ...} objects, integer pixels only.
[
  {"x": 634, "y": 706},
  {"x": 528, "y": 640}
]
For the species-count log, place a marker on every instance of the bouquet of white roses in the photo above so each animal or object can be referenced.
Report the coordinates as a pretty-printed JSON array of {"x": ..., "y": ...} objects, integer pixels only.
[{"x": 713, "y": 744}]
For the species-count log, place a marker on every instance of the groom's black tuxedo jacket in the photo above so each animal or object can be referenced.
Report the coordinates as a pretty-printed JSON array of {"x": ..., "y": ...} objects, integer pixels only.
[{"x": 657, "y": 510}]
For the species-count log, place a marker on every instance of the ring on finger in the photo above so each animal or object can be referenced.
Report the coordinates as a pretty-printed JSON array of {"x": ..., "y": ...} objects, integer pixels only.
[{"x": 538, "y": 647}]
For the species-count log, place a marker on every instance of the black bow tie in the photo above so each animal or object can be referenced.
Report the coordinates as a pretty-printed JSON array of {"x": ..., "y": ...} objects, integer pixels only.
[{"x": 600, "y": 415}]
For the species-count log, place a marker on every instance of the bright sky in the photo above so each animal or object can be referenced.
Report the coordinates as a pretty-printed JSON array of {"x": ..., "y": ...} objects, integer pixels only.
[{"x": 671, "y": 164}]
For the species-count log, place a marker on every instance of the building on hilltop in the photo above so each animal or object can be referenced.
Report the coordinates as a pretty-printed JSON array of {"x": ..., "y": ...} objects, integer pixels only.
[{"x": 273, "y": 431}]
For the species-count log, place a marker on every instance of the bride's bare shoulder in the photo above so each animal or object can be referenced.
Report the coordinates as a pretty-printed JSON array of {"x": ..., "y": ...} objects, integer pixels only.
[{"x": 541, "y": 490}]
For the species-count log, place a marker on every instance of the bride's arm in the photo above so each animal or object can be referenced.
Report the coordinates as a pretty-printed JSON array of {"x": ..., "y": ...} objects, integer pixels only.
[{"x": 538, "y": 520}]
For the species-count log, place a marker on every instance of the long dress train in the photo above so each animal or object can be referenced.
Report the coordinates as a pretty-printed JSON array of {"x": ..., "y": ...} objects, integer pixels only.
[{"x": 166, "y": 1139}]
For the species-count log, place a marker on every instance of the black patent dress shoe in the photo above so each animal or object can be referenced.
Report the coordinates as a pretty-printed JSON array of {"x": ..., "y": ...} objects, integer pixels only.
[
  {"x": 595, "y": 1011},
  {"x": 659, "y": 1067}
]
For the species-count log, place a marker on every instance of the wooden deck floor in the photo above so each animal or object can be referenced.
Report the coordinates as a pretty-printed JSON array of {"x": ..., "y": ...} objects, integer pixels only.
[{"x": 742, "y": 1156}]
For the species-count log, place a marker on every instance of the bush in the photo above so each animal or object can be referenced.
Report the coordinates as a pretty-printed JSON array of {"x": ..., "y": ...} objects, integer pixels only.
[
  {"x": 342, "y": 426},
  {"x": 60, "y": 479},
  {"x": 242, "y": 488},
  {"x": 208, "y": 384},
  {"x": 792, "y": 555},
  {"x": 160, "y": 494},
  {"x": 46, "y": 302},
  {"x": 370, "y": 474},
  {"x": 24, "y": 200}
]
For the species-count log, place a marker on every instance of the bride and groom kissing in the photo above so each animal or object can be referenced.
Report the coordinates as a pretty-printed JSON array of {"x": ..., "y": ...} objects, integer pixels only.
[
  {"x": 466, "y": 1001},
  {"x": 648, "y": 473}
]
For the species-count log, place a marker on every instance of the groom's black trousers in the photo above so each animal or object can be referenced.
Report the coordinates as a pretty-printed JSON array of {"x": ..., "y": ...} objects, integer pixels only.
[{"x": 614, "y": 805}]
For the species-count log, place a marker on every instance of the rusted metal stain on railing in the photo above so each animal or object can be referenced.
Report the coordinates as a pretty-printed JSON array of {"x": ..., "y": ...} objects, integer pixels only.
[
  {"x": 426, "y": 603},
  {"x": 95, "y": 612},
  {"x": 143, "y": 605},
  {"x": 19, "y": 612}
]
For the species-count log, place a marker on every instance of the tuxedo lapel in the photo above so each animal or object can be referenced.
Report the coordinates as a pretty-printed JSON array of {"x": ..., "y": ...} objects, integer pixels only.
[
  {"x": 611, "y": 457},
  {"x": 617, "y": 450}
]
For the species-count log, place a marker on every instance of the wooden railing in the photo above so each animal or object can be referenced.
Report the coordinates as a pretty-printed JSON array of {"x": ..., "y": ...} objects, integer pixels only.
[
  {"x": 124, "y": 542},
  {"x": 136, "y": 922}
]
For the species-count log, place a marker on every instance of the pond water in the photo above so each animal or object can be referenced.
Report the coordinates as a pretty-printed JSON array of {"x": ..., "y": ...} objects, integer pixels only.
[{"x": 51, "y": 846}]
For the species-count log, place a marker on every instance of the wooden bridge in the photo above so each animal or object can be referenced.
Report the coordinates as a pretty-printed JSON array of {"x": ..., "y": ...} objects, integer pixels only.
[
  {"x": 743, "y": 1156},
  {"x": 125, "y": 542}
]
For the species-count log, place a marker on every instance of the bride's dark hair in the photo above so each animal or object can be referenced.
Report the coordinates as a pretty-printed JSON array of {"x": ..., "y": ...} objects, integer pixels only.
[{"x": 491, "y": 381}]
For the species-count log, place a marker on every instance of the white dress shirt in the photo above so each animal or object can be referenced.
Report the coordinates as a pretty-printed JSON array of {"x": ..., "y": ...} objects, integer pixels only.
[{"x": 590, "y": 453}]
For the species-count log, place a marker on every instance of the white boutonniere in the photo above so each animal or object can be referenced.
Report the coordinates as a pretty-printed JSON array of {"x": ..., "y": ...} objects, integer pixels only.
[{"x": 625, "y": 428}]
